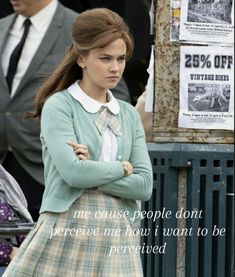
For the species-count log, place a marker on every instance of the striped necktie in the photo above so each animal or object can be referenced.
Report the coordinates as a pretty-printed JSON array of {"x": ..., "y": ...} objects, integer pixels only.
[{"x": 107, "y": 119}]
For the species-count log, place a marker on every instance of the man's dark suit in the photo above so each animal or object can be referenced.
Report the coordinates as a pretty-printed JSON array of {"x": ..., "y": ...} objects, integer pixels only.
[{"x": 21, "y": 135}]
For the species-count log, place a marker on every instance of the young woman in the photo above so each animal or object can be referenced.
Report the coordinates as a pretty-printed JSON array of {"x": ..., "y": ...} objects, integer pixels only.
[{"x": 96, "y": 161}]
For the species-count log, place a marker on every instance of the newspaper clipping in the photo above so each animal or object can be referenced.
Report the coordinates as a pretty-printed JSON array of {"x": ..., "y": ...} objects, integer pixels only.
[
  {"x": 207, "y": 21},
  {"x": 206, "y": 87}
]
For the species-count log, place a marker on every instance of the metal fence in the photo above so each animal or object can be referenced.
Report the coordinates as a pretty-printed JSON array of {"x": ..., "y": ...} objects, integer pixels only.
[{"x": 192, "y": 178}]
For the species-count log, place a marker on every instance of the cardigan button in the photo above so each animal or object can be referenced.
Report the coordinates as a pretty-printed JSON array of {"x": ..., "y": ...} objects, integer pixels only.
[{"x": 119, "y": 157}]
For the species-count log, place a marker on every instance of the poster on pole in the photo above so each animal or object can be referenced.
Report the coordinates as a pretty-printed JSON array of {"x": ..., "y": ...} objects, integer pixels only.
[
  {"x": 208, "y": 21},
  {"x": 206, "y": 87},
  {"x": 175, "y": 20}
]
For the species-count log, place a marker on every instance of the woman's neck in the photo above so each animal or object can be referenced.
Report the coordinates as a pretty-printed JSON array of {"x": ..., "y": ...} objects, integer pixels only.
[{"x": 100, "y": 95}]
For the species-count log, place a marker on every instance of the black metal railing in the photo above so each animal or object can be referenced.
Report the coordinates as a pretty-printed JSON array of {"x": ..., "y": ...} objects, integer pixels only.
[{"x": 205, "y": 172}]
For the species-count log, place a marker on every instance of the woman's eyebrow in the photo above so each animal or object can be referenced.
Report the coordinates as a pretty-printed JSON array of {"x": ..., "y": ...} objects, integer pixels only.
[{"x": 108, "y": 55}]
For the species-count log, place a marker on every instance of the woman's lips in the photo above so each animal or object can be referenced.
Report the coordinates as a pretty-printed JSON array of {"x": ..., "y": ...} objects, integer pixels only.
[{"x": 113, "y": 78}]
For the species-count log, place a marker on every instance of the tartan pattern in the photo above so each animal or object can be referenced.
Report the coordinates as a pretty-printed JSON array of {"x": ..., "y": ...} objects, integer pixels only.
[
  {"x": 84, "y": 255},
  {"x": 107, "y": 119}
]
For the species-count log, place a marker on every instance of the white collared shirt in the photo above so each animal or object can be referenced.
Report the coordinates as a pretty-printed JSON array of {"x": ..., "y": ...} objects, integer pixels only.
[
  {"x": 109, "y": 139},
  {"x": 40, "y": 23}
]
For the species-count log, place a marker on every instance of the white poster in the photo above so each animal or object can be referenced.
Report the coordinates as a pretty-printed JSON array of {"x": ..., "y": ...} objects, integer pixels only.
[
  {"x": 206, "y": 87},
  {"x": 207, "y": 21}
]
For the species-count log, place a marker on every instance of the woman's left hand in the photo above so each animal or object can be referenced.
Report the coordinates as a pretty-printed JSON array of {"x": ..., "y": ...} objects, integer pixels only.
[{"x": 81, "y": 150}]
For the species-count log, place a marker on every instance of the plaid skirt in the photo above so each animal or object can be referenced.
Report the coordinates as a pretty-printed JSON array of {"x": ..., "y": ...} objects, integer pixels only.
[{"x": 93, "y": 238}]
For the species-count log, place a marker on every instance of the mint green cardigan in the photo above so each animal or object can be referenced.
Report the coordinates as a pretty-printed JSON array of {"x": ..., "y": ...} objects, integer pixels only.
[{"x": 66, "y": 176}]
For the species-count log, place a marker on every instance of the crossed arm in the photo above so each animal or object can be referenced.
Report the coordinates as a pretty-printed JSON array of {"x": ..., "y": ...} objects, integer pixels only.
[{"x": 137, "y": 185}]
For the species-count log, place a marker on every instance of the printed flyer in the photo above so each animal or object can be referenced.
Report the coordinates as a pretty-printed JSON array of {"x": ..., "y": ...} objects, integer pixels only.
[
  {"x": 206, "y": 87},
  {"x": 207, "y": 21}
]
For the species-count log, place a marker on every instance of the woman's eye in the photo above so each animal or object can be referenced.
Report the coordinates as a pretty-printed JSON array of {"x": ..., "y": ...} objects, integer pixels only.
[
  {"x": 122, "y": 59},
  {"x": 105, "y": 59}
]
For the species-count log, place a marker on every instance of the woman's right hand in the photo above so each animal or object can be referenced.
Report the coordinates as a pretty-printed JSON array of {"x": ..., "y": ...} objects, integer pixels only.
[{"x": 81, "y": 150}]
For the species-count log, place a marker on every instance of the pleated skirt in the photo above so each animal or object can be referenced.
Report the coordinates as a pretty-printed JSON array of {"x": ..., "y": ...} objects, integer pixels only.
[{"x": 92, "y": 239}]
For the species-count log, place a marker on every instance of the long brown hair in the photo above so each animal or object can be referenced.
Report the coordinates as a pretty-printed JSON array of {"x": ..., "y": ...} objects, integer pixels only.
[{"x": 95, "y": 28}]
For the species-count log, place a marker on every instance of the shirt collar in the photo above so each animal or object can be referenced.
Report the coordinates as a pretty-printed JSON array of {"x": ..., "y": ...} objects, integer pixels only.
[
  {"x": 40, "y": 19},
  {"x": 91, "y": 105}
]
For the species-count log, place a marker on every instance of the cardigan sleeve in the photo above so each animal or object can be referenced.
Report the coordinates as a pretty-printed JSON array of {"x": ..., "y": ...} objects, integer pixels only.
[
  {"x": 137, "y": 186},
  {"x": 56, "y": 129}
]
